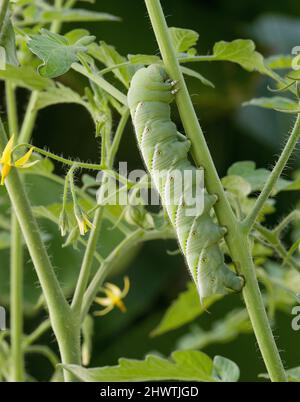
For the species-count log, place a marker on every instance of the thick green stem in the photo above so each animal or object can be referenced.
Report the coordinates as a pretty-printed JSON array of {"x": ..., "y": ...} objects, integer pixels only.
[
  {"x": 63, "y": 322},
  {"x": 16, "y": 263},
  {"x": 274, "y": 176},
  {"x": 236, "y": 240},
  {"x": 16, "y": 302}
]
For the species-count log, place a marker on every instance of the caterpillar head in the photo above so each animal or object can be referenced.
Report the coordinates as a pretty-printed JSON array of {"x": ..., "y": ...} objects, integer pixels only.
[
  {"x": 150, "y": 84},
  {"x": 157, "y": 73}
]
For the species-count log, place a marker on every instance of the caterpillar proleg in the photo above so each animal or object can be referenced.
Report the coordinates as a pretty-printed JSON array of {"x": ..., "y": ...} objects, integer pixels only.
[{"x": 165, "y": 152}]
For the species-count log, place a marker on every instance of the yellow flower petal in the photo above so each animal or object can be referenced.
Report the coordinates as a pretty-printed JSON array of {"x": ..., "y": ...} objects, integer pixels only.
[
  {"x": 126, "y": 287},
  {"x": 113, "y": 288},
  {"x": 4, "y": 173},
  {"x": 104, "y": 311},
  {"x": 6, "y": 155},
  {"x": 103, "y": 301},
  {"x": 23, "y": 160}
]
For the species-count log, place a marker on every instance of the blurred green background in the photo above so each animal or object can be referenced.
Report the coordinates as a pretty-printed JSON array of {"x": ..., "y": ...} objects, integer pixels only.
[{"x": 233, "y": 133}]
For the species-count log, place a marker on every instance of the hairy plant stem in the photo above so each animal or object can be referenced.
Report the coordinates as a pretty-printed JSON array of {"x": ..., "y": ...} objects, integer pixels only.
[
  {"x": 97, "y": 223},
  {"x": 16, "y": 263},
  {"x": 274, "y": 176},
  {"x": 29, "y": 118},
  {"x": 237, "y": 238},
  {"x": 63, "y": 322}
]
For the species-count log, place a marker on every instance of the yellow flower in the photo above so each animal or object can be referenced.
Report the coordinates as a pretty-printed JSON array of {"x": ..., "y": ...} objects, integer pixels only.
[
  {"x": 82, "y": 220},
  {"x": 6, "y": 160},
  {"x": 114, "y": 296}
]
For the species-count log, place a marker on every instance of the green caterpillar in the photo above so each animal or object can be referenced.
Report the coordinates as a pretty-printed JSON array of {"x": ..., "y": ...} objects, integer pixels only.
[{"x": 165, "y": 151}]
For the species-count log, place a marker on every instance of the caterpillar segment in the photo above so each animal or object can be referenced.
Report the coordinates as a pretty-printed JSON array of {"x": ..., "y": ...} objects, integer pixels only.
[{"x": 165, "y": 153}]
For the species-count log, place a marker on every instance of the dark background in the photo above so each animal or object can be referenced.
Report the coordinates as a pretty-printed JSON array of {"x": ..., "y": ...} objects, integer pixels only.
[{"x": 233, "y": 133}]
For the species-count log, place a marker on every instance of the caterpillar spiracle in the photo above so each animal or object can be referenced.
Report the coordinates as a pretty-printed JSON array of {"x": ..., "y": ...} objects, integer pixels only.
[{"x": 164, "y": 150}]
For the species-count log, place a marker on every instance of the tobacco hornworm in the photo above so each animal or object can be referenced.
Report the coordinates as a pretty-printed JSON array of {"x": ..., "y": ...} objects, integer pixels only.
[{"x": 165, "y": 152}]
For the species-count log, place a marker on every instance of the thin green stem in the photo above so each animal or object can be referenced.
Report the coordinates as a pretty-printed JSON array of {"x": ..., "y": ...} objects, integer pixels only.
[
  {"x": 16, "y": 262},
  {"x": 87, "y": 262},
  {"x": 274, "y": 176},
  {"x": 29, "y": 118},
  {"x": 117, "y": 138},
  {"x": 45, "y": 351},
  {"x": 56, "y": 24},
  {"x": 272, "y": 238},
  {"x": 294, "y": 215},
  {"x": 236, "y": 240},
  {"x": 64, "y": 324},
  {"x": 65, "y": 161},
  {"x": 79, "y": 165},
  {"x": 37, "y": 333}
]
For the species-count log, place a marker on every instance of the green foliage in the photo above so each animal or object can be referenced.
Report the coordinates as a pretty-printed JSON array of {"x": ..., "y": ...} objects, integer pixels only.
[
  {"x": 235, "y": 323},
  {"x": 33, "y": 31},
  {"x": 184, "y": 40},
  {"x": 184, "y": 366},
  {"x": 56, "y": 52},
  {"x": 25, "y": 77},
  {"x": 184, "y": 309},
  {"x": 276, "y": 103}
]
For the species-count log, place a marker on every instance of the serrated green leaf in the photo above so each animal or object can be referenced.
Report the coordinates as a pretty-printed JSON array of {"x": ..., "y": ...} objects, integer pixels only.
[
  {"x": 183, "y": 366},
  {"x": 183, "y": 39},
  {"x": 195, "y": 74},
  {"x": 56, "y": 52},
  {"x": 25, "y": 77},
  {"x": 183, "y": 310},
  {"x": 225, "y": 370},
  {"x": 276, "y": 103},
  {"x": 242, "y": 52}
]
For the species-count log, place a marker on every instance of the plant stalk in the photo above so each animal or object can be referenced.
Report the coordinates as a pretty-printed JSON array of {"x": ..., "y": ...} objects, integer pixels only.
[
  {"x": 16, "y": 263},
  {"x": 236, "y": 239},
  {"x": 274, "y": 176},
  {"x": 63, "y": 322}
]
